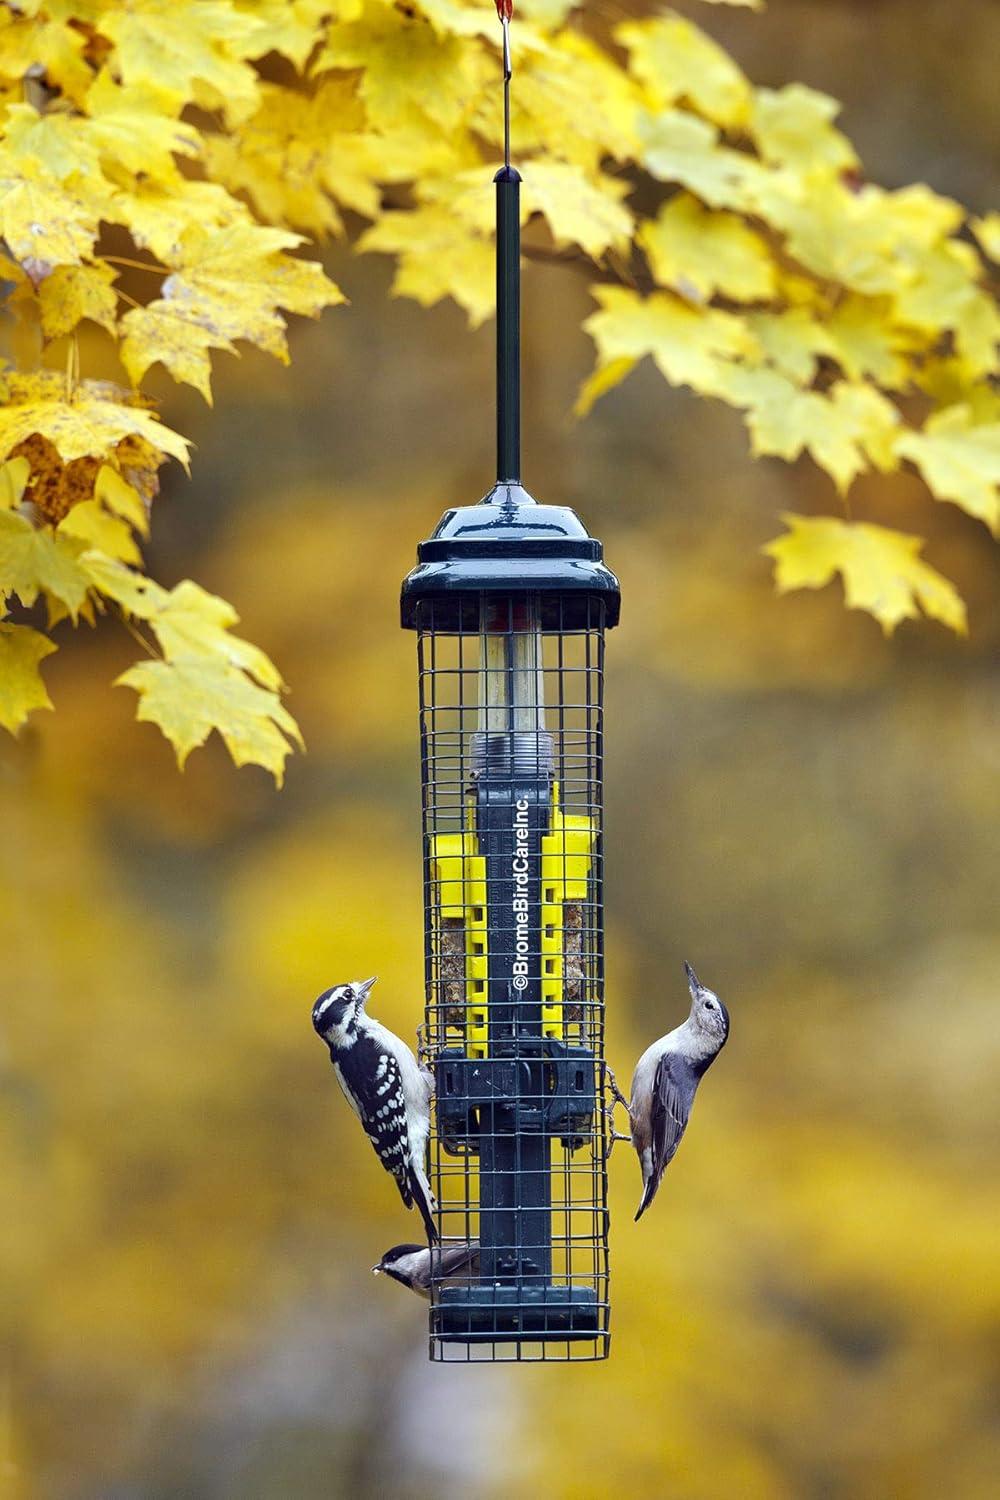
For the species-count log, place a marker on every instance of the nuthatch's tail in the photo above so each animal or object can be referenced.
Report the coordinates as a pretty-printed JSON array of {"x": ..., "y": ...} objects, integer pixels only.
[{"x": 648, "y": 1194}]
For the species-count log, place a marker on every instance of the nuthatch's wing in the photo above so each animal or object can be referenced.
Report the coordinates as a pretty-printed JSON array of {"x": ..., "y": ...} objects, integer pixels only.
[{"x": 674, "y": 1088}]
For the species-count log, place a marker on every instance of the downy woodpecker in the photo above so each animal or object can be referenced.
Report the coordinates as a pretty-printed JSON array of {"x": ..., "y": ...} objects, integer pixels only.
[{"x": 385, "y": 1086}]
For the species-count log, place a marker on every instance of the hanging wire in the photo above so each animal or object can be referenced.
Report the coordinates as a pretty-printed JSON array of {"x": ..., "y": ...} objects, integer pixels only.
[{"x": 505, "y": 9}]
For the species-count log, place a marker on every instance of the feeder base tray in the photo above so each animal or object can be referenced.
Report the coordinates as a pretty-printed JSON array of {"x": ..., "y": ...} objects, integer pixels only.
[{"x": 491, "y": 1314}]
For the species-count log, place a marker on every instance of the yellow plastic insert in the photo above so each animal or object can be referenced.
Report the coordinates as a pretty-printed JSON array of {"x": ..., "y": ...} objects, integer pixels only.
[{"x": 459, "y": 874}]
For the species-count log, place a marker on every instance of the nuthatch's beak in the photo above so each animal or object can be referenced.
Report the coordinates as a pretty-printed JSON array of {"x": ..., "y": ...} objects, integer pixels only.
[
  {"x": 377, "y": 1270},
  {"x": 692, "y": 978},
  {"x": 361, "y": 990}
]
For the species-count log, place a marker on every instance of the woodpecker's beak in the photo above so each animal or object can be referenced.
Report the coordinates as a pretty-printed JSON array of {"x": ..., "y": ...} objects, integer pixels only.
[
  {"x": 361, "y": 989},
  {"x": 692, "y": 978}
]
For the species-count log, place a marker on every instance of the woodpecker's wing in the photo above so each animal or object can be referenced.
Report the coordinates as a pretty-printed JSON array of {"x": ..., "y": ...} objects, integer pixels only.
[
  {"x": 374, "y": 1085},
  {"x": 674, "y": 1088}
]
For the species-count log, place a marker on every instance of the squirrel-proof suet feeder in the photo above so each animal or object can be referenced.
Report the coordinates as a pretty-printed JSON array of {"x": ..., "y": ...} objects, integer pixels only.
[{"x": 510, "y": 600}]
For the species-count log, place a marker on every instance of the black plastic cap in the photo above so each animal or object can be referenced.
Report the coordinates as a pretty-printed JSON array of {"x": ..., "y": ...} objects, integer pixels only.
[{"x": 508, "y": 543}]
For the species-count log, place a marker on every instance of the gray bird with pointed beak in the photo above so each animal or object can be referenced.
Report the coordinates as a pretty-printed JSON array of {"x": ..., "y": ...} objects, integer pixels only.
[
  {"x": 385, "y": 1086},
  {"x": 665, "y": 1081}
]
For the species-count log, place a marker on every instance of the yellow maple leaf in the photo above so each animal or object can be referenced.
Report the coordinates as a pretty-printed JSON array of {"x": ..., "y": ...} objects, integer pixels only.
[
  {"x": 573, "y": 102},
  {"x": 187, "y": 699},
  {"x": 232, "y": 281},
  {"x": 94, "y": 526},
  {"x": 942, "y": 291},
  {"x": 691, "y": 346},
  {"x": 290, "y": 27},
  {"x": 160, "y": 44},
  {"x": 580, "y": 210},
  {"x": 793, "y": 127},
  {"x": 435, "y": 261},
  {"x": 121, "y": 498},
  {"x": 193, "y": 623},
  {"x": 404, "y": 61},
  {"x": 72, "y": 293},
  {"x": 791, "y": 340},
  {"x": 677, "y": 61},
  {"x": 34, "y": 560},
  {"x": 678, "y": 147},
  {"x": 21, "y": 685},
  {"x": 863, "y": 338},
  {"x": 161, "y": 333},
  {"x": 136, "y": 128},
  {"x": 53, "y": 142},
  {"x": 89, "y": 421},
  {"x": 43, "y": 222},
  {"x": 277, "y": 158},
  {"x": 13, "y": 479},
  {"x": 700, "y": 253},
  {"x": 157, "y": 216},
  {"x": 842, "y": 431},
  {"x": 602, "y": 379},
  {"x": 960, "y": 460},
  {"x": 53, "y": 44},
  {"x": 882, "y": 570},
  {"x": 987, "y": 232}
]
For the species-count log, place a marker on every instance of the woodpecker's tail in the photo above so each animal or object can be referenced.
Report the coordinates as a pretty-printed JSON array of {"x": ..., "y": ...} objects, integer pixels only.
[{"x": 424, "y": 1199}]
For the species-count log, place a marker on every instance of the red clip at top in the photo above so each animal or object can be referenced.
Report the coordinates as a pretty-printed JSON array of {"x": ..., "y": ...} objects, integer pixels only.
[{"x": 505, "y": 9}]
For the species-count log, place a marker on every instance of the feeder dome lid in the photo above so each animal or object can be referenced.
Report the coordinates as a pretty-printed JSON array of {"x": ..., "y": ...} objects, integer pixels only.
[{"x": 507, "y": 543}]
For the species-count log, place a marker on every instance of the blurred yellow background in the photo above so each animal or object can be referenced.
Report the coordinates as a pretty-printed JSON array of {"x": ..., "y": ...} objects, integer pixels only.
[{"x": 805, "y": 810}]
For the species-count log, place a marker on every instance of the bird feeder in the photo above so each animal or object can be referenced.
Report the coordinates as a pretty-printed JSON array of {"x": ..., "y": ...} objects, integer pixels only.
[{"x": 510, "y": 600}]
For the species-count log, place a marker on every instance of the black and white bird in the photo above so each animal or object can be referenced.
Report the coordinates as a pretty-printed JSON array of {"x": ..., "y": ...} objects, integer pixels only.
[
  {"x": 411, "y": 1265},
  {"x": 665, "y": 1080},
  {"x": 385, "y": 1086}
]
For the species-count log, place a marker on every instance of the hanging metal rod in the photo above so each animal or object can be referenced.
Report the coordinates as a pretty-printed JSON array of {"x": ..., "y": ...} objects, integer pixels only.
[{"x": 508, "y": 185}]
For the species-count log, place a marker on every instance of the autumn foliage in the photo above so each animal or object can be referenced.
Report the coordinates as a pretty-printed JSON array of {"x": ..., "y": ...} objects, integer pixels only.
[{"x": 163, "y": 163}]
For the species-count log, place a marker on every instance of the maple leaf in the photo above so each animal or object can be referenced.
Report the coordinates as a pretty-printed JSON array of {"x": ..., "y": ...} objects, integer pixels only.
[
  {"x": 677, "y": 61},
  {"x": 21, "y": 685},
  {"x": 987, "y": 232},
  {"x": 434, "y": 262},
  {"x": 136, "y": 128},
  {"x": 13, "y": 479},
  {"x": 43, "y": 222},
  {"x": 35, "y": 561},
  {"x": 959, "y": 460},
  {"x": 94, "y": 526},
  {"x": 691, "y": 346},
  {"x": 580, "y": 210},
  {"x": 231, "y": 282},
  {"x": 158, "y": 44},
  {"x": 792, "y": 127},
  {"x": 862, "y": 337},
  {"x": 157, "y": 215},
  {"x": 842, "y": 431},
  {"x": 72, "y": 293},
  {"x": 791, "y": 340},
  {"x": 700, "y": 253},
  {"x": 678, "y": 147},
  {"x": 119, "y": 497},
  {"x": 882, "y": 570},
  {"x": 89, "y": 421},
  {"x": 189, "y": 698},
  {"x": 160, "y": 333},
  {"x": 208, "y": 678},
  {"x": 602, "y": 379}
]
